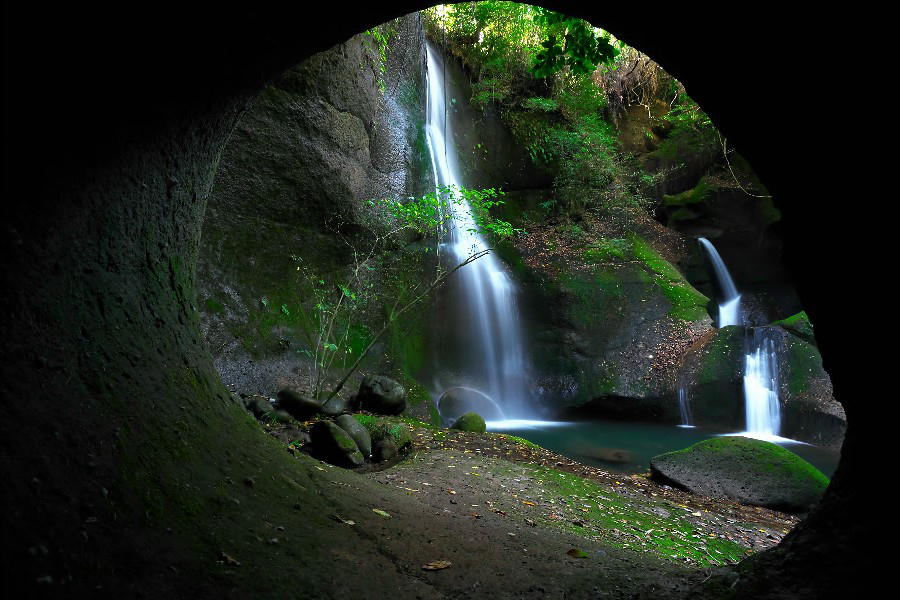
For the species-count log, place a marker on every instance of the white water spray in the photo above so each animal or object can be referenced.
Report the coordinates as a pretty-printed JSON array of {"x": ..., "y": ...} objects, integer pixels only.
[{"x": 496, "y": 356}]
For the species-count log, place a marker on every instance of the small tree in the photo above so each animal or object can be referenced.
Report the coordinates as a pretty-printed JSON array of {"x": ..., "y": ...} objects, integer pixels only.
[{"x": 339, "y": 303}]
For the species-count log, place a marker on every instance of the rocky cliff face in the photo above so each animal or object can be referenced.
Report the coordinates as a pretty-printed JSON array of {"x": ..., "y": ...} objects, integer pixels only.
[{"x": 343, "y": 127}]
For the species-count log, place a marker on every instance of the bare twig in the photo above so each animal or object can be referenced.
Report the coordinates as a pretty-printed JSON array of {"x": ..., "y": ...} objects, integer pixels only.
[
  {"x": 395, "y": 313},
  {"x": 724, "y": 143}
]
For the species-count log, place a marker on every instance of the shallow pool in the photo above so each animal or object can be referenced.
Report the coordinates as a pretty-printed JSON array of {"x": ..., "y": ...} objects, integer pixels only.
[{"x": 627, "y": 447}]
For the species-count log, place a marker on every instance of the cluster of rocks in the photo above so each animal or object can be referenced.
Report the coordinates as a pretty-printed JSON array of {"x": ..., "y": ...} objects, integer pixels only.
[{"x": 337, "y": 436}]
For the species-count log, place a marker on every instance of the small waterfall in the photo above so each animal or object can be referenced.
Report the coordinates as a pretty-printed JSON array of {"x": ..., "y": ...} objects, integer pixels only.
[
  {"x": 762, "y": 408},
  {"x": 761, "y": 405},
  {"x": 730, "y": 304},
  {"x": 684, "y": 405},
  {"x": 489, "y": 320}
]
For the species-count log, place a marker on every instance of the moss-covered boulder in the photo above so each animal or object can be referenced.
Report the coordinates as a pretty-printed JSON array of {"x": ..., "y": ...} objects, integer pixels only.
[
  {"x": 470, "y": 422},
  {"x": 359, "y": 433},
  {"x": 742, "y": 469},
  {"x": 332, "y": 444},
  {"x": 382, "y": 395},
  {"x": 297, "y": 405},
  {"x": 800, "y": 325}
]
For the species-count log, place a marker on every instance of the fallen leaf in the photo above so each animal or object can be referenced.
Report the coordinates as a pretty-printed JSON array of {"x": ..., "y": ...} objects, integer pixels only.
[
  {"x": 341, "y": 519},
  {"x": 436, "y": 565},
  {"x": 528, "y": 503},
  {"x": 576, "y": 553},
  {"x": 382, "y": 513}
]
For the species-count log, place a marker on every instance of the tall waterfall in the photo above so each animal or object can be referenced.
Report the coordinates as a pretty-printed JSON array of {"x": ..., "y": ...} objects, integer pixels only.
[
  {"x": 487, "y": 314},
  {"x": 762, "y": 409}
]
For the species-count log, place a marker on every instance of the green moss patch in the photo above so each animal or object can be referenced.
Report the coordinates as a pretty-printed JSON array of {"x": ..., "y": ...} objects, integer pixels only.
[
  {"x": 381, "y": 428},
  {"x": 606, "y": 250},
  {"x": 687, "y": 303},
  {"x": 804, "y": 364},
  {"x": 695, "y": 195},
  {"x": 602, "y": 512},
  {"x": 471, "y": 422},
  {"x": 798, "y": 324}
]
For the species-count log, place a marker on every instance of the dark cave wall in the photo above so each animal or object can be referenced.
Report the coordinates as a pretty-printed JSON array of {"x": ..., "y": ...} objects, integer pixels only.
[{"x": 105, "y": 197}]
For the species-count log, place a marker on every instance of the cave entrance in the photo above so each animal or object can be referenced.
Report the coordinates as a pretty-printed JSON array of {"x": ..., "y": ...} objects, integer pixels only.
[
  {"x": 99, "y": 254},
  {"x": 614, "y": 171}
]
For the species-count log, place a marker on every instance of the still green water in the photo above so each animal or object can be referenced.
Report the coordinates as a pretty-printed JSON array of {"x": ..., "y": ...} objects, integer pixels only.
[{"x": 627, "y": 447}]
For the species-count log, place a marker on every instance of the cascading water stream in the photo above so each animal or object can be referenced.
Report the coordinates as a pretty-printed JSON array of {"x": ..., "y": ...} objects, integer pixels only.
[
  {"x": 490, "y": 321},
  {"x": 762, "y": 408},
  {"x": 730, "y": 305}
]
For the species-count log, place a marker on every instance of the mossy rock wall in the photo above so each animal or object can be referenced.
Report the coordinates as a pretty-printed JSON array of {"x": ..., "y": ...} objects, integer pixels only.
[
  {"x": 488, "y": 153},
  {"x": 608, "y": 329},
  {"x": 317, "y": 143}
]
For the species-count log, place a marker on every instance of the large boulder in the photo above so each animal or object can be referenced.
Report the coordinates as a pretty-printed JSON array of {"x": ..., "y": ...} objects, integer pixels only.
[
  {"x": 297, "y": 405},
  {"x": 359, "y": 433},
  {"x": 382, "y": 395},
  {"x": 743, "y": 469},
  {"x": 470, "y": 422},
  {"x": 335, "y": 406},
  {"x": 332, "y": 444}
]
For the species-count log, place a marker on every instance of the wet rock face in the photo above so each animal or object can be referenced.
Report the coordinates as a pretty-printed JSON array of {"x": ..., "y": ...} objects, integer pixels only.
[
  {"x": 313, "y": 147},
  {"x": 610, "y": 320},
  {"x": 748, "y": 471}
]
